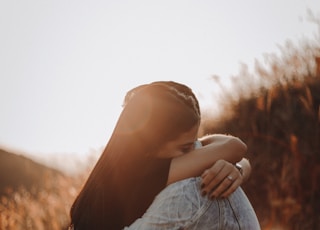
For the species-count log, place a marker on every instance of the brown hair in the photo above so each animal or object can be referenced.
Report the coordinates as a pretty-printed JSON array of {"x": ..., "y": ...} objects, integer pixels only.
[{"x": 153, "y": 114}]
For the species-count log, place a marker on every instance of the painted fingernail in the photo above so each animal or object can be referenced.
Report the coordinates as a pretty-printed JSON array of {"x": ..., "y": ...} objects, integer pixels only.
[
  {"x": 212, "y": 197},
  {"x": 202, "y": 185},
  {"x": 204, "y": 193}
]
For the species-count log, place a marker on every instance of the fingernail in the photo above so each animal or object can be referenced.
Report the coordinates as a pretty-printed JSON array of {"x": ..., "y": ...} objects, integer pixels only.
[
  {"x": 212, "y": 197},
  {"x": 204, "y": 193},
  {"x": 202, "y": 185}
]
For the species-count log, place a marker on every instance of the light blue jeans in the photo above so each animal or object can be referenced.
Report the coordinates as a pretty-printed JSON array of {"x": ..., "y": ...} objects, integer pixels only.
[{"x": 181, "y": 206}]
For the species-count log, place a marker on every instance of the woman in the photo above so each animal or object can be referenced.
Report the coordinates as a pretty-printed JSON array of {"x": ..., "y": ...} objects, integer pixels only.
[{"x": 146, "y": 152}]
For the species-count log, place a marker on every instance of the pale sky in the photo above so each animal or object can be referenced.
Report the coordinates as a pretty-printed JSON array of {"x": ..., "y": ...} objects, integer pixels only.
[{"x": 65, "y": 65}]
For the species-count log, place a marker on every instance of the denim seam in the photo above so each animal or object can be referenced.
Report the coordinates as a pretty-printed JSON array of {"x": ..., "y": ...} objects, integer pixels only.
[
  {"x": 220, "y": 215},
  {"x": 198, "y": 214},
  {"x": 234, "y": 213}
]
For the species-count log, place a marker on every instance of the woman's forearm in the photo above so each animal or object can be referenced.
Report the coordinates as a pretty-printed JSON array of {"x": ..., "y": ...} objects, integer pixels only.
[
  {"x": 233, "y": 157},
  {"x": 218, "y": 147},
  {"x": 244, "y": 163}
]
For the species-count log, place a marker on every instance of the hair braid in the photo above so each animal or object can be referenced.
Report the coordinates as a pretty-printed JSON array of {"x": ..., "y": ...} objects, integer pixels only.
[{"x": 180, "y": 90}]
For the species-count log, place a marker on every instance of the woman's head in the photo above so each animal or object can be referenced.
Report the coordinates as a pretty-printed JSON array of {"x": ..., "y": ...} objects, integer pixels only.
[
  {"x": 157, "y": 113},
  {"x": 155, "y": 119}
]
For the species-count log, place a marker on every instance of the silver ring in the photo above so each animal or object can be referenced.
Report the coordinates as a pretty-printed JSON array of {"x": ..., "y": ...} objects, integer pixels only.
[{"x": 230, "y": 178}]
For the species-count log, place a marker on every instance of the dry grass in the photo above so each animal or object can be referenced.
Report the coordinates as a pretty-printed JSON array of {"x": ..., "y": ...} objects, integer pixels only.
[
  {"x": 276, "y": 111},
  {"x": 39, "y": 208},
  {"x": 33, "y": 196}
]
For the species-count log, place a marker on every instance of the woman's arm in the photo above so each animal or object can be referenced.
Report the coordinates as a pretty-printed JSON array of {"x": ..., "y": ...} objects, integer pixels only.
[
  {"x": 244, "y": 163},
  {"x": 226, "y": 147}
]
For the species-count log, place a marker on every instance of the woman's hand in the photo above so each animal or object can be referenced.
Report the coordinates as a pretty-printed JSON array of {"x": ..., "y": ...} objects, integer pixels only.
[{"x": 222, "y": 179}]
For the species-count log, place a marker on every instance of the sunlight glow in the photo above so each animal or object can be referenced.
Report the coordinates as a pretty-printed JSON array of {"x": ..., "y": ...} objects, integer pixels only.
[{"x": 66, "y": 65}]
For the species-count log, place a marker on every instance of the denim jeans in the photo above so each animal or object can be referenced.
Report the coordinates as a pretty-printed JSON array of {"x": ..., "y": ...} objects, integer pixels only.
[{"x": 181, "y": 206}]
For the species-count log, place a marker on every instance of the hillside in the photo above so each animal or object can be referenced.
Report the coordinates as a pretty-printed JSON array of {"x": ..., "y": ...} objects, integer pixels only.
[
  {"x": 33, "y": 196},
  {"x": 18, "y": 171}
]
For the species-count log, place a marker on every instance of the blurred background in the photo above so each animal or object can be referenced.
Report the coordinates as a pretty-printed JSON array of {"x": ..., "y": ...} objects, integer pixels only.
[{"x": 66, "y": 66}]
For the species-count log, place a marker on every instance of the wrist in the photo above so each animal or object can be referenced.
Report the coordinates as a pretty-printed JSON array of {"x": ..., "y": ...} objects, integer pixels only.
[
  {"x": 246, "y": 168},
  {"x": 239, "y": 167}
]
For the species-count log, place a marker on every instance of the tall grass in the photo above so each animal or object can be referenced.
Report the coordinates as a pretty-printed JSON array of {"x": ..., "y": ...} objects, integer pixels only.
[
  {"x": 276, "y": 111},
  {"x": 38, "y": 208},
  {"x": 22, "y": 210}
]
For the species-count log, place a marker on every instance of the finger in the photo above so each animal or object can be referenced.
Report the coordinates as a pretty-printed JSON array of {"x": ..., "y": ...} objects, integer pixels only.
[
  {"x": 209, "y": 179},
  {"x": 210, "y": 173},
  {"x": 235, "y": 180},
  {"x": 204, "y": 173},
  {"x": 231, "y": 188},
  {"x": 223, "y": 186},
  {"x": 214, "y": 180}
]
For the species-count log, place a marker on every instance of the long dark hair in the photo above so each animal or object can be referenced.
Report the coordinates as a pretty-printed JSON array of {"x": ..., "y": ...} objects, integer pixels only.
[{"x": 153, "y": 114}]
